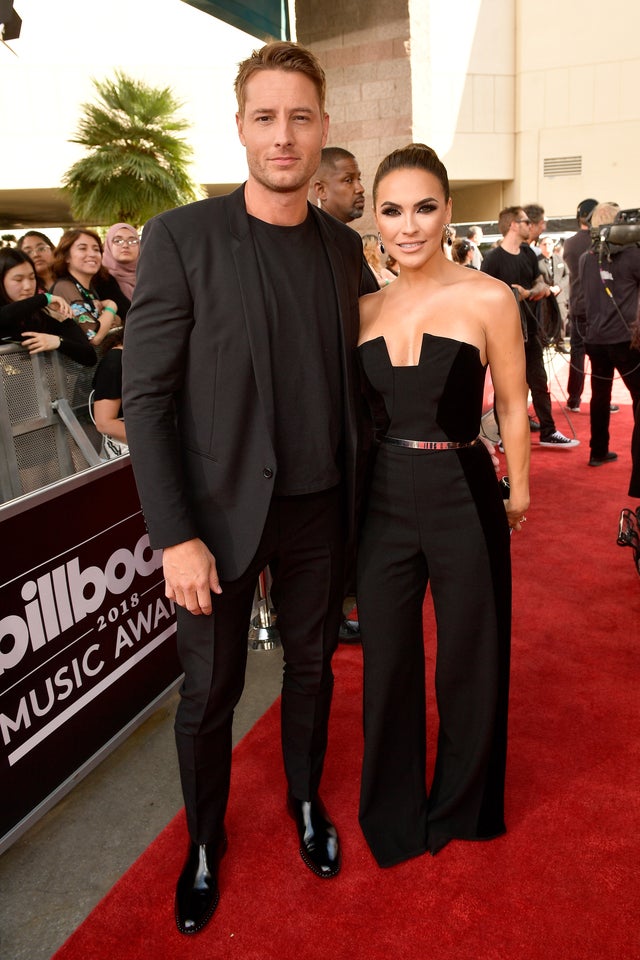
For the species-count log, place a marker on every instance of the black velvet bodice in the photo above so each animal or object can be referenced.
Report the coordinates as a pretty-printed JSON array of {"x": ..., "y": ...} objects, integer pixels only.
[{"x": 440, "y": 398}]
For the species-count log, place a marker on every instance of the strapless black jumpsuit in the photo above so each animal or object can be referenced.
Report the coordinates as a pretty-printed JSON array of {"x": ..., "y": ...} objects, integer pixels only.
[{"x": 432, "y": 516}]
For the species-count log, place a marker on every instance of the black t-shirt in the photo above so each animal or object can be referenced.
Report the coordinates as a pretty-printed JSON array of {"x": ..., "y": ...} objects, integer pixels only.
[
  {"x": 521, "y": 268},
  {"x": 304, "y": 343}
]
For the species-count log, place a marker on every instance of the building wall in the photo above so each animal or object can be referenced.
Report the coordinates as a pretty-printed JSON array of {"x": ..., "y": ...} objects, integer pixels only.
[
  {"x": 578, "y": 96},
  {"x": 364, "y": 49}
]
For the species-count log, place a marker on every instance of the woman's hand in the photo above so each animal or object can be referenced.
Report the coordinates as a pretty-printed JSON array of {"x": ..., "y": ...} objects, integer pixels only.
[
  {"x": 515, "y": 514},
  {"x": 40, "y": 342},
  {"x": 61, "y": 308}
]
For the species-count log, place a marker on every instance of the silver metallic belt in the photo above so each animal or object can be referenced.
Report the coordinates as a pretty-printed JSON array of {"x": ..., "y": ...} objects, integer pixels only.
[{"x": 428, "y": 444}]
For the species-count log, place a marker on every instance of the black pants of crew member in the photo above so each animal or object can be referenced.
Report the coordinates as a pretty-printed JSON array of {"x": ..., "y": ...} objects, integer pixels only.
[
  {"x": 537, "y": 382},
  {"x": 605, "y": 360},
  {"x": 305, "y": 535},
  {"x": 433, "y": 517},
  {"x": 575, "y": 383}
]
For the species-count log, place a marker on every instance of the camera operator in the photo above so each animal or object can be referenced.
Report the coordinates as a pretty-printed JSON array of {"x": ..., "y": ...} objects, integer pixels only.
[{"x": 610, "y": 284}]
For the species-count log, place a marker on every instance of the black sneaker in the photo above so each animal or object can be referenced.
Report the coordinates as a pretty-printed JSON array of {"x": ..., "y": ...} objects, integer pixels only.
[
  {"x": 614, "y": 408},
  {"x": 534, "y": 426},
  {"x": 573, "y": 406},
  {"x": 559, "y": 441}
]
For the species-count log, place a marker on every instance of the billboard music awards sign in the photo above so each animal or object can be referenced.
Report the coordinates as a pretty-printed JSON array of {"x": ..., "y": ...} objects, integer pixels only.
[{"x": 87, "y": 637}]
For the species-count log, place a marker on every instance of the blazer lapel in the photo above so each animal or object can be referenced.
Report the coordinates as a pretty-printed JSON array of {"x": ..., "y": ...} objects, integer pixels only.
[
  {"x": 348, "y": 322},
  {"x": 348, "y": 318},
  {"x": 250, "y": 285}
]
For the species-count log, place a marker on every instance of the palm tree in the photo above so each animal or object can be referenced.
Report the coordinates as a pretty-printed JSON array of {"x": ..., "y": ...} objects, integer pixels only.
[{"x": 136, "y": 166}]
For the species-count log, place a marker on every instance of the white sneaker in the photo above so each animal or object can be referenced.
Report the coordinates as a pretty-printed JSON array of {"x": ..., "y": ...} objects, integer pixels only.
[{"x": 559, "y": 441}]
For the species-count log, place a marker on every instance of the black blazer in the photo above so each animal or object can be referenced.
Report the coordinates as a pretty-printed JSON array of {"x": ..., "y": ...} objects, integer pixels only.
[{"x": 197, "y": 390}]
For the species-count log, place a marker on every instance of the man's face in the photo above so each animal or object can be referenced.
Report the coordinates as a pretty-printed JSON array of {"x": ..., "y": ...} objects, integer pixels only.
[
  {"x": 522, "y": 225},
  {"x": 282, "y": 128},
  {"x": 546, "y": 247},
  {"x": 341, "y": 191},
  {"x": 536, "y": 230}
]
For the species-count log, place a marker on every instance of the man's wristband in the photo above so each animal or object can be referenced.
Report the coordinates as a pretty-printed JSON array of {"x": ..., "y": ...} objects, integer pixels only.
[
  {"x": 111, "y": 310},
  {"x": 49, "y": 298}
]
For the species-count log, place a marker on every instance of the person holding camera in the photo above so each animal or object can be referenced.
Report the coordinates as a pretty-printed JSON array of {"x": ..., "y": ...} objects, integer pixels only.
[{"x": 610, "y": 284}]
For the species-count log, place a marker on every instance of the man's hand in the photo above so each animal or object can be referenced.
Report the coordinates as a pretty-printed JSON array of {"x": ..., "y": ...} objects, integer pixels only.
[
  {"x": 520, "y": 290},
  {"x": 191, "y": 576},
  {"x": 539, "y": 290}
]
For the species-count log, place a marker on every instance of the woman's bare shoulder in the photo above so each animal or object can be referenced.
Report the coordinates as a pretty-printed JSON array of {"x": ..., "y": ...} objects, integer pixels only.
[{"x": 488, "y": 287}]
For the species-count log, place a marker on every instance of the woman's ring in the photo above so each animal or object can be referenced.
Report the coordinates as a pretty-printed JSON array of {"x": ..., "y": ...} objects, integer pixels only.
[{"x": 523, "y": 519}]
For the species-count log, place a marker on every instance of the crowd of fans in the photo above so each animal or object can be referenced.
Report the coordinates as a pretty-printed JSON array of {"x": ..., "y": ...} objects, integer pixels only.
[{"x": 73, "y": 297}]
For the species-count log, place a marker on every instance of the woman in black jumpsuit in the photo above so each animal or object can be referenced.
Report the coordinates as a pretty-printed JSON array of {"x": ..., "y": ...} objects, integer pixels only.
[{"x": 435, "y": 515}]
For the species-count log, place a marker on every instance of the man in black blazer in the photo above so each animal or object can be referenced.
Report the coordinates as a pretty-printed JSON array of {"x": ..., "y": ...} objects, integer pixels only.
[{"x": 240, "y": 400}]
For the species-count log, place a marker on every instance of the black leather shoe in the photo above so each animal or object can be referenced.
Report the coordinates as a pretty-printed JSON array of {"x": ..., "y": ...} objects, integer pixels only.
[
  {"x": 319, "y": 846},
  {"x": 197, "y": 891},
  {"x": 599, "y": 461},
  {"x": 349, "y": 631},
  {"x": 534, "y": 426}
]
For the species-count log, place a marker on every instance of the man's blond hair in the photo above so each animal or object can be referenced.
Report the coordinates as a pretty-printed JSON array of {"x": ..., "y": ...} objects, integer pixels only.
[
  {"x": 604, "y": 213},
  {"x": 280, "y": 55}
]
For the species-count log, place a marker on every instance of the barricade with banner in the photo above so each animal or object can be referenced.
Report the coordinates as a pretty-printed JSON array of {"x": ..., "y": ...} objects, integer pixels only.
[{"x": 87, "y": 637}]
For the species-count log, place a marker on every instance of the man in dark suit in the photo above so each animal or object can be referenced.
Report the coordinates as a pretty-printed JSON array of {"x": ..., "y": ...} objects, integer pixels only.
[{"x": 240, "y": 399}]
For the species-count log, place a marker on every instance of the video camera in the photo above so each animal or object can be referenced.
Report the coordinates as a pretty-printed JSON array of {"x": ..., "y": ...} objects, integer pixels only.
[{"x": 624, "y": 231}]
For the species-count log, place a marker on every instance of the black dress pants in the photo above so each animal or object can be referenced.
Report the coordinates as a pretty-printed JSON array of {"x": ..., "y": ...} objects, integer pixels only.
[
  {"x": 438, "y": 518},
  {"x": 575, "y": 383},
  {"x": 305, "y": 536},
  {"x": 537, "y": 382},
  {"x": 605, "y": 360}
]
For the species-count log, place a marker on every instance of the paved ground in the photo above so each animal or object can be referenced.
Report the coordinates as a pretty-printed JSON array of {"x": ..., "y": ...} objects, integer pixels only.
[{"x": 54, "y": 875}]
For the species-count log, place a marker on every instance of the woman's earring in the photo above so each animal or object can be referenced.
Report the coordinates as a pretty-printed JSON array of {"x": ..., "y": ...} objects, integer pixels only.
[
  {"x": 381, "y": 243},
  {"x": 448, "y": 235}
]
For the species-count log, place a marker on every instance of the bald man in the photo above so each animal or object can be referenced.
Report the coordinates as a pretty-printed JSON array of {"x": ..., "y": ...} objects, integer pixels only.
[{"x": 337, "y": 187}]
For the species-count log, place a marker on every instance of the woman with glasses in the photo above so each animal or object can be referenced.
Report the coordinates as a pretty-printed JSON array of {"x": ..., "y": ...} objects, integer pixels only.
[
  {"x": 40, "y": 248},
  {"x": 121, "y": 249}
]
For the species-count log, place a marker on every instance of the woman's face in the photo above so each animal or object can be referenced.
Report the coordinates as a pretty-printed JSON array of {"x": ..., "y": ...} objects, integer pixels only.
[
  {"x": 125, "y": 246},
  {"x": 84, "y": 255},
  {"x": 411, "y": 212},
  {"x": 41, "y": 254},
  {"x": 20, "y": 282}
]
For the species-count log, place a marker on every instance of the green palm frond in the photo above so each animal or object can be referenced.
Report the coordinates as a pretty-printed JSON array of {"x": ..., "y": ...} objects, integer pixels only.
[{"x": 136, "y": 164}]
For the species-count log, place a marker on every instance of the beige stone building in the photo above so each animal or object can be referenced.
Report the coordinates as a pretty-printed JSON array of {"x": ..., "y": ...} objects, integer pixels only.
[{"x": 524, "y": 103}]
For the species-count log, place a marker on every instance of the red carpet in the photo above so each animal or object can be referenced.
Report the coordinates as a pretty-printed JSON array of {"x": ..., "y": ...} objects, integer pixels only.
[{"x": 561, "y": 885}]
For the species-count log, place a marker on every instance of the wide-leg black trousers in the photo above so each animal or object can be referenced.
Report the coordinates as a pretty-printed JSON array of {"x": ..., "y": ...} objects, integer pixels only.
[
  {"x": 304, "y": 539},
  {"x": 434, "y": 517}
]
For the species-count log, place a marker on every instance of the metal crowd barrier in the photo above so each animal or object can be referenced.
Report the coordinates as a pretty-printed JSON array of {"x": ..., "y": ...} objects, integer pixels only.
[{"x": 46, "y": 432}]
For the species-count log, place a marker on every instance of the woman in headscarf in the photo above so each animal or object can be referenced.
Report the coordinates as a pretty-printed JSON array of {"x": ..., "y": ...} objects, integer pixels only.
[{"x": 121, "y": 249}]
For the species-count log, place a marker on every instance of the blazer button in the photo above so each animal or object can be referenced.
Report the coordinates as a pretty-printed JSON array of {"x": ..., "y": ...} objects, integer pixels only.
[{"x": 267, "y": 472}]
